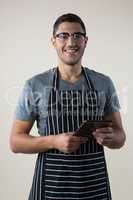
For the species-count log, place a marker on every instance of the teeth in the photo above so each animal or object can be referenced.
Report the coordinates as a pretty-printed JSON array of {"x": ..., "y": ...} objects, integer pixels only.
[{"x": 71, "y": 50}]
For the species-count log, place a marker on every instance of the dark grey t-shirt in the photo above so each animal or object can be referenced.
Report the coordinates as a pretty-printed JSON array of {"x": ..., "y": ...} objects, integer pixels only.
[
  {"x": 80, "y": 84},
  {"x": 33, "y": 101}
]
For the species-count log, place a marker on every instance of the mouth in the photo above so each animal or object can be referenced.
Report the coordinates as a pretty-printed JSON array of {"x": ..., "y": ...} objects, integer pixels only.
[{"x": 71, "y": 50}]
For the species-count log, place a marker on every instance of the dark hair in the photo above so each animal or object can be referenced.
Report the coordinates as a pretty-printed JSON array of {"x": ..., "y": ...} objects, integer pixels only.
[{"x": 69, "y": 17}]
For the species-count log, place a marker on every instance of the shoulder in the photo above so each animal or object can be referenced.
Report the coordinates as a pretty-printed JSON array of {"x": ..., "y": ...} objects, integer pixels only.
[
  {"x": 41, "y": 80},
  {"x": 99, "y": 80},
  {"x": 97, "y": 75}
]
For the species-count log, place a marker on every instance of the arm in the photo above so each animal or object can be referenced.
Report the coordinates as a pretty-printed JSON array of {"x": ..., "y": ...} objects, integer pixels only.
[
  {"x": 22, "y": 142},
  {"x": 112, "y": 137}
]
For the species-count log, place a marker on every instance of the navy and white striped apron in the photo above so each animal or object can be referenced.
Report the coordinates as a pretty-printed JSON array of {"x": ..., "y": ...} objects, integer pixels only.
[{"x": 78, "y": 175}]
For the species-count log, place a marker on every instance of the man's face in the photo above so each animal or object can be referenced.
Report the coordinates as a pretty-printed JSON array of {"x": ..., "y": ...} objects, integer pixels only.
[{"x": 70, "y": 45}]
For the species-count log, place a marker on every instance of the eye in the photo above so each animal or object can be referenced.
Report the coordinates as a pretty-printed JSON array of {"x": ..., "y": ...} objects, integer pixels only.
[
  {"x": 62, "y": 35},
  {"x": 77, "y": 35}
]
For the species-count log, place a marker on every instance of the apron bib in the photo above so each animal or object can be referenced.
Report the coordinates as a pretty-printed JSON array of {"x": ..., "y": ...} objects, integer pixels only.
[{"x": 83, "y": 173}]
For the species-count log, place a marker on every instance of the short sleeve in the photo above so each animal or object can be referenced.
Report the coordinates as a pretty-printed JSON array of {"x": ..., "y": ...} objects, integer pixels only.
[
  {"x": 112, "y": 101},
  {"x": 26, "y": 108}
]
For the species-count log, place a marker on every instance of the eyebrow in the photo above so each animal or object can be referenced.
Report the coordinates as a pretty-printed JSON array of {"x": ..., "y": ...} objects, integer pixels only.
[{"x": 84, "y": 34}]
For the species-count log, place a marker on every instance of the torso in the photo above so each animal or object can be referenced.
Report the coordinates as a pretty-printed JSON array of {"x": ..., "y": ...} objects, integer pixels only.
[{"x": 81, "y": 174}]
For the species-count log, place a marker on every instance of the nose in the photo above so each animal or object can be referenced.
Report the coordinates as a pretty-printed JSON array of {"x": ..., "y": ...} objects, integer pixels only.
[{"x": 71, "y": 41}]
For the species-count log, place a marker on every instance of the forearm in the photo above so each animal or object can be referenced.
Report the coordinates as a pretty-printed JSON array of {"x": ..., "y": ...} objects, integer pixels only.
[
  {"x": 117, "y": 141},
  {"x": 25, "y": 143}
]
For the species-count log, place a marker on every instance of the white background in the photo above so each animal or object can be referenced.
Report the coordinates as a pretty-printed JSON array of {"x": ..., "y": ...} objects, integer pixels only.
[{"x": 25, "y": 50}]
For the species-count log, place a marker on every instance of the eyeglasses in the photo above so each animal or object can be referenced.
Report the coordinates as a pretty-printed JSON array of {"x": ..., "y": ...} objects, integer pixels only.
[{"x": 77, "y": 36}]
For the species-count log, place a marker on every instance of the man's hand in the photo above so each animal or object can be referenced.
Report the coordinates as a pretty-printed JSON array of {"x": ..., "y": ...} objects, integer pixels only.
[
  {"x": 68, "y": 143},
  {"x": 104, "y": 136},
  {"x": 113, "y": 137}
]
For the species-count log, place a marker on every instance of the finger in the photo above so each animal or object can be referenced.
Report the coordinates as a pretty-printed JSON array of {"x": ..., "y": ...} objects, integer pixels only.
[
  {"x": 103, "y": 142},
  {"x": 104, "y": 136},
  {"x": 79, "y": 139},
  {"x": 104, "y": 130},
  {"x": 72, "y": 148},
  {"x": 83, "y": 139},
  {"x": 99, "y": 140}
]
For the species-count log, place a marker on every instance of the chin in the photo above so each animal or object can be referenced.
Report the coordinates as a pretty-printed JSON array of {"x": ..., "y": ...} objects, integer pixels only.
[{"x": 72, "y": 62}]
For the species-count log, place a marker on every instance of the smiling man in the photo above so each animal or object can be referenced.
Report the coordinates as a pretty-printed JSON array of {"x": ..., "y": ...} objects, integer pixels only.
[{"x": 60, "y": 100}]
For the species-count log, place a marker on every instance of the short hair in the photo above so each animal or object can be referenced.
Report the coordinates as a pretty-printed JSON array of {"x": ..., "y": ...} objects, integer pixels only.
[{"x": 69, "y": 17}]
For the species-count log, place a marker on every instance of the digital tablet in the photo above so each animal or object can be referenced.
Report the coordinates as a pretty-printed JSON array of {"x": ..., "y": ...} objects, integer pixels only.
[{"x": 87, "y": 127}]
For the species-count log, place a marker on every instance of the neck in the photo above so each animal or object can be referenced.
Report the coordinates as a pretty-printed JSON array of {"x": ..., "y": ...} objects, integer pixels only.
[{"x": 68, "y": 72}]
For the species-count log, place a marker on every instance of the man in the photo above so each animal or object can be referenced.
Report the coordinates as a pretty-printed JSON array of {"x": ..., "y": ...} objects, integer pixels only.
[{"x": 60, "y": 100}]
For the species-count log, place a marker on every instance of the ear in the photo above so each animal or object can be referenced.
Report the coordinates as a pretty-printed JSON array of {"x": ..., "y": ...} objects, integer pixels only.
[
  {"x": 86, "y": 40},
  {"x": 53, "y": 41}
]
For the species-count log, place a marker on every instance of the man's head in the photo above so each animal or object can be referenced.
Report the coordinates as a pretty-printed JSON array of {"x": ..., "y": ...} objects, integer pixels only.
[
  {"x": 69, "y": 39},
  {"x": 68, "y": 18}
]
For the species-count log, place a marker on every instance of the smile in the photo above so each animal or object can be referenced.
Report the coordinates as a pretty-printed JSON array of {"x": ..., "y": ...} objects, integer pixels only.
[{"x": 71, "y": 50}]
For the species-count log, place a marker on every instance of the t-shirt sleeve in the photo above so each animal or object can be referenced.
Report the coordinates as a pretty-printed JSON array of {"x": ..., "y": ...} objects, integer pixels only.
[
  {"x": 26, "y": 109},
  {"x": 112, "y": 101}
]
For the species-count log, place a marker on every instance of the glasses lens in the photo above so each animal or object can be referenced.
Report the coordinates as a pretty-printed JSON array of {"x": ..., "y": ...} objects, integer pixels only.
[
  {"x": 78, "y": 35},
  {"x": 63, "y": 36}
]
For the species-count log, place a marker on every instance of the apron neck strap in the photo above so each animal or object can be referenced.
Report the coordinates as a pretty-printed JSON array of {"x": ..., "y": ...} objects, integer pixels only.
[{"x": 88, "y": 80}]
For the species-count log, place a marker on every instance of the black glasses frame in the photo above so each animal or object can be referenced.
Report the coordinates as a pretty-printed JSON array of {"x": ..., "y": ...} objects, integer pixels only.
[{"x": 66, "y": 35}]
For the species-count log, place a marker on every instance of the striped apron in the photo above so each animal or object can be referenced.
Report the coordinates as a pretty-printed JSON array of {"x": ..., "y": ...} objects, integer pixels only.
[{"x": 78, "y": 175}]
